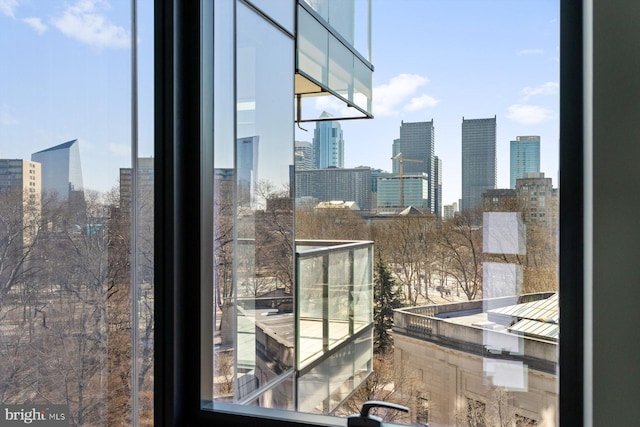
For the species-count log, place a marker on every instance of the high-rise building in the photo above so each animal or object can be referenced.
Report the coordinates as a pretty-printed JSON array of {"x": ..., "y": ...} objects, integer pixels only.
[
  {"x": 328, "y": 143},
  {"x": 61, "y": 170},
  {"x": 449, "y": 211},
  {"x": 417, "y": 145},
  {"x": 353, "y": 184},
  {"x": 20, "y": 192},
  {"x": 437, "y": 182},
  {"x": 247, "y": 160},
  {"x": 525, "y": 157},
  {"x": 539, "y": 201},
  {"x": 394, "y": 152},
  {"x": 479, "y": 166},
  {"x": 303, "y": 155}
]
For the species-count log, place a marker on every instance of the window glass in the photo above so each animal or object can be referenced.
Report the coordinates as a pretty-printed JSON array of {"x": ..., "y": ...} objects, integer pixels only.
[
  {"x": 76, "y": 220},
  {"x": 254, "y": 219},
  {"x": 281, "y": 11}
]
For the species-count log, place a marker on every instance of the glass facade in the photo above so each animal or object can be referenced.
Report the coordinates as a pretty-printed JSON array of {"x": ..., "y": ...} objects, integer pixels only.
[
  {"x": 524, "y": 157},
  {"x": 479, "y": 165},
  {"x": 327, "y": 59}
]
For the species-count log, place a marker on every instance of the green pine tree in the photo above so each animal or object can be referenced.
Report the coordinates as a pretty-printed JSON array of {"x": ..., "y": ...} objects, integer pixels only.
[{"x": 386, "y": 296}]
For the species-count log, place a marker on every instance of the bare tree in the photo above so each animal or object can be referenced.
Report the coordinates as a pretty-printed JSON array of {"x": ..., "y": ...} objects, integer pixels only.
[{"x": 461, "y": 238}]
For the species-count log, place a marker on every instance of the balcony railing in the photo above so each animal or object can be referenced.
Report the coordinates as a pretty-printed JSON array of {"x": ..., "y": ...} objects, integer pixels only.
[{"x": 334, "y": 320}]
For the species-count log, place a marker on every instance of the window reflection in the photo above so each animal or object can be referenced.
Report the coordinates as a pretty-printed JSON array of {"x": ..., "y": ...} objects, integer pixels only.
[{"x": 69, "y": 263}]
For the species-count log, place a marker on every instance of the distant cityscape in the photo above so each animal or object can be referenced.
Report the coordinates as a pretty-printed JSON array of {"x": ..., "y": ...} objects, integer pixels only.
[{"x": 416, "y": 173}]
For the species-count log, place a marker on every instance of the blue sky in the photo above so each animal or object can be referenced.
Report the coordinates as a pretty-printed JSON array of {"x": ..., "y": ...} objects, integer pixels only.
[
  {"x": 65, "y": 75},
  {"x": 445, "y": 59}
]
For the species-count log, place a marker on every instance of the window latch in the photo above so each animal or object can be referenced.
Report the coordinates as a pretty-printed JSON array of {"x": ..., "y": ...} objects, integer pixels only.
[{"x": 366, "y": 420}]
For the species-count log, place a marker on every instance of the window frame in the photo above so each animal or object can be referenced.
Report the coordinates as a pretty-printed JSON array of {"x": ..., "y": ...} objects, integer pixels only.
[{"x": 178, "y": 215}]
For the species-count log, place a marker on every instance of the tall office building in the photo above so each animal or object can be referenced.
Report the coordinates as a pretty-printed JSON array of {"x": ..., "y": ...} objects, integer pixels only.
[
  {"x": 20, "y": 188},
  {"x": 61, "y": 170},
  {"x": 437, "y": 182},
  {"x": 416, "y": 143},
  {"x": 395, "y": 166},
  {"x": 303, "y": 155},
  {"x": 478, "y": 160},
  {"x": 247, "y": 160},
  {"x": 525, "y": 157},
  {"x": 328, "y": 143}
]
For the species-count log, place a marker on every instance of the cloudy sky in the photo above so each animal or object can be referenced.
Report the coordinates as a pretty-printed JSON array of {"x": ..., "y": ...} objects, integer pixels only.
[{"x": 65, "y": 75}]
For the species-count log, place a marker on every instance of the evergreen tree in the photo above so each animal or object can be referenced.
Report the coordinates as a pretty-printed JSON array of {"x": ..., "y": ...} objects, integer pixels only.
[{"x": 386, "y": 296}]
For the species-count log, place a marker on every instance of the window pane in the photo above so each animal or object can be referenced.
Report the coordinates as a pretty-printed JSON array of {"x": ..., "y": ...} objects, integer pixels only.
[
  {"x": 76, "y": 227},
  {"x": 254, "y": 277}
]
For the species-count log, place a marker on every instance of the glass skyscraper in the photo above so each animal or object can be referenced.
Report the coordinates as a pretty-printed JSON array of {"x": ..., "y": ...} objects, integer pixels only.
[
  {"x": 478, "y": 160},
  {"x": 328, "y": 144},
  {"x": 525, "y": 157},
  {"x": 61, "y": 170},
  {"x": 417, "y": 145}
]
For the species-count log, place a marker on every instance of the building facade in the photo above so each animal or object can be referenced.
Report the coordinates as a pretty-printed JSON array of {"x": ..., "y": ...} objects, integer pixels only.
[
  {"x": 353, "y": 184},
  {"x": 437, "y": 182},
  {"x": 303, "y": 155},
  {"x": 482, "y": 363},
  {"x": 20, "y": 193},
  {"x": 539, "y": 201},
  {"x": 524, "y": 157},
  {"x": 61, "y": 170},
  {"x": 449, "y": 211},
  {"x": 328, "y": 143},
  {"x": 417, "y": 145},
  {"x": 479, "y": 165},
  {"x": 415, "y": 191}
]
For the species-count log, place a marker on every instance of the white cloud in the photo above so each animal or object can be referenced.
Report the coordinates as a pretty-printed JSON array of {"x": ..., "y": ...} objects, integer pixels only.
[
  {"x": 387, "y": 97},
  {"x": 82, "y": 22},
  {"x": 8, "y": 7},
  {"x": 36, "y": 24},
  {"x": 420, "y": 102},
  {"x": 530, "y": 52},
  {"x": 6, "y": 118},
  {"x": 548, "y": 88},
  {"x": 528, "y": 114},
  {"x": 120, "y": 149}
]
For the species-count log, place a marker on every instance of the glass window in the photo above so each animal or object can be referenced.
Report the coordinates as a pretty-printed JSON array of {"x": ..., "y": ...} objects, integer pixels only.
[
  {"x": 253, "y": 253},
  {"x": 77, "y": 266}
]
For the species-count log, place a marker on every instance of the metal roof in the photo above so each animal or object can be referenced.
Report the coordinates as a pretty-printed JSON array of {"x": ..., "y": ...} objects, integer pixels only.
[
  {"x": 546, "y": 310},
  {"x": 538, "y": 318}
]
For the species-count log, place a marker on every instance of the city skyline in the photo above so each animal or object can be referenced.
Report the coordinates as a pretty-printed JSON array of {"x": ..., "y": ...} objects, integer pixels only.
[{"x": 518, "y": 81}]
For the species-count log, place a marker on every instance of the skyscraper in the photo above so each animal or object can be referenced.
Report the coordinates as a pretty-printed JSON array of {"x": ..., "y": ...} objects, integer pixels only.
[
  {"x": 525, "y": 157},
  {"x": 247, "y": 156},
  {"x": 61, "y": 170},
  {"x": 437, "y": 181},
  {"x": 303, "y": 155},
  {"x": 328, "y": 144},
  {"x": 416, "y": 143},
  {"x": 478, "y": 160},
  {"x": 20, "y": 188}
]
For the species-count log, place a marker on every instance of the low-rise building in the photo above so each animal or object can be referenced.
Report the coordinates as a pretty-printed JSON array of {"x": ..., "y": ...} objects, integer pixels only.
[{"x": 492, "y": 360}]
